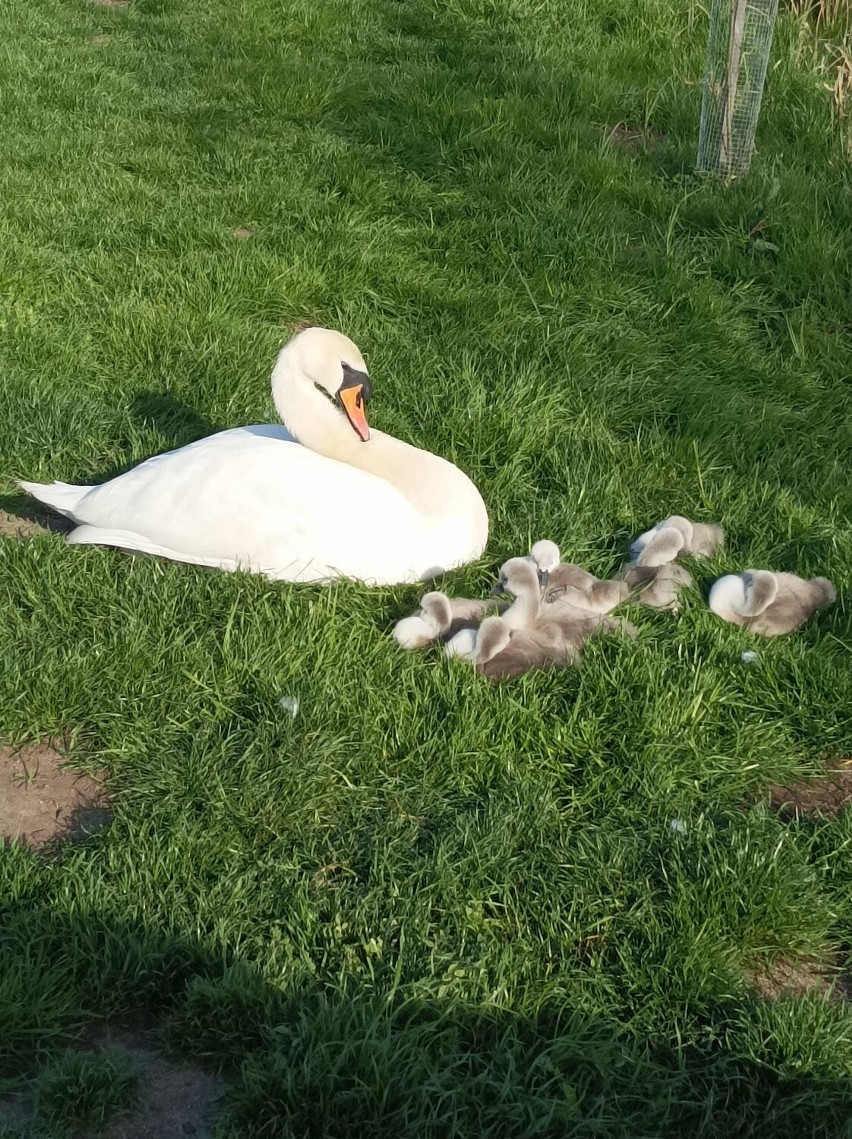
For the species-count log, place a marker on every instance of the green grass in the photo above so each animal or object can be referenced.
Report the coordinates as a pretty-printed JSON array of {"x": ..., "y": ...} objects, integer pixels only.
[
  {"x": 428, "y": 906},
  {"x": 81, "y": 1093}
]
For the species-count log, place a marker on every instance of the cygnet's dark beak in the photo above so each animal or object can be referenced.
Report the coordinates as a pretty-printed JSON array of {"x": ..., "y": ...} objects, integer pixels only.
[
  {"x": 543, "y": 580},
  {"x": 353, "y": 394},
  {"x": 498, "y": 589}
]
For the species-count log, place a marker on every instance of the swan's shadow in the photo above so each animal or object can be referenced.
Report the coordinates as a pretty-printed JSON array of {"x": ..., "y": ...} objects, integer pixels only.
[
  {"x": 22, "y": 516},
  {"x": 154, "y": 412},
  {"x": 176, "y": 421}
]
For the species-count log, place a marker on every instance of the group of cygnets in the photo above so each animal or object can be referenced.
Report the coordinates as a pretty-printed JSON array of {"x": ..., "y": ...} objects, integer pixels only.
[{"x": 542, "y": 611}]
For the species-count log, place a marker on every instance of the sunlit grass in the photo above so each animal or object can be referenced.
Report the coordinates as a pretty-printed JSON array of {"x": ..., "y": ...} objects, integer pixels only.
[{"x": 427, "y": 905}]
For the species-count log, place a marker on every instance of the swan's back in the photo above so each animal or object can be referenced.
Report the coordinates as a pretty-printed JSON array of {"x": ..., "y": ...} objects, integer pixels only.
[{"x": 254, "y": 498}]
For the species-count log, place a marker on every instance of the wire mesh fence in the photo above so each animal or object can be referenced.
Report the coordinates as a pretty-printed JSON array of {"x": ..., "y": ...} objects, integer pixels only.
[{"x": 738, "y": 46}]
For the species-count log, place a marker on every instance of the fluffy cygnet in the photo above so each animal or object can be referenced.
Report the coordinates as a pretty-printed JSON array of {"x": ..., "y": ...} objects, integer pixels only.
[
  {"x": 441, "y": 618},
  {"x": 769, "y": 603},
  {"x": 565, "y": 582},
  {"x": 529, "y": 635},
  {"x": 519, "y": 579},
  {"x": 656, "y": 586},
  {"x": 673, "y": 536}
]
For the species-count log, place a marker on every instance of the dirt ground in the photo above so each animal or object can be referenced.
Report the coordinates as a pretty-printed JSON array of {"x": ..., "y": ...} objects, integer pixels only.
[
  {"x": 176, "y": 1102},
  {"x": 825, "y": 797},
  {"x": 42, "y": 801},
  {"x": 29, "y": 520},
  {"x": 790, "y": 978}
]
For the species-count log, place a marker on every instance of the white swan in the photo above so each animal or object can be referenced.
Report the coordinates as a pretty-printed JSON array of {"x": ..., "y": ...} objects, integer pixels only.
[{"x": 319, "y": 498}]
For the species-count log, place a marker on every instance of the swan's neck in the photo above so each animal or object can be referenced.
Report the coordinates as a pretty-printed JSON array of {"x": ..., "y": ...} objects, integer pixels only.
[
  {"x": 317, "y": 423},
  {"x": 310, "y": 416},
  {"x": 523, "y": 610},
  {"x": 435, "y": 488}
]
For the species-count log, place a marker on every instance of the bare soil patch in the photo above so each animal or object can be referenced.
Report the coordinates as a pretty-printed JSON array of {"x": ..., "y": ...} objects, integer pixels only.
[
  {"x": 42, "y": 801},
  {"x": 790, "y": 978},
  {"x": 110, "y": 3},
  {"x": 242, "y": 232},
  {"x": 14, "y": 527},
  {"x": 27, "y": 519},
  {"x": 176, "y": 1101},
  {"x": 632, "y": 139},
  {"x": 824, "y": 797}
]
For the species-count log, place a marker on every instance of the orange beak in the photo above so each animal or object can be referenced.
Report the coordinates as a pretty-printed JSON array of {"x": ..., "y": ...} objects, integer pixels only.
[{"x": 353, "y": 402}]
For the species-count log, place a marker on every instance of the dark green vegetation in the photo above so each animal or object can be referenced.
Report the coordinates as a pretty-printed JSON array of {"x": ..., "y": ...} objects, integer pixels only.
[
  {"x": 428, "y": 906},
  {"x": 81, "y": 1092}
]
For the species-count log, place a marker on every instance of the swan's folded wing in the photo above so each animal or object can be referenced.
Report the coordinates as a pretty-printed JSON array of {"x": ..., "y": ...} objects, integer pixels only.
[{"x": 259, "y": 500}]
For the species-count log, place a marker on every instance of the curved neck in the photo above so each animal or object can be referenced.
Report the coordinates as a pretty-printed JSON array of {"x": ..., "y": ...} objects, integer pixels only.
[
  {"x": 524, "y": 609},
  {"x": 434, "y": 488},
  {"x": 309, "y": 415}
]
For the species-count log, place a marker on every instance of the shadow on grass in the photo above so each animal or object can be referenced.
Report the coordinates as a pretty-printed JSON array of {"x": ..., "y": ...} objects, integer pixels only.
[
  {"x": 175, "y": 424},
  {"x": 302, "y": 1061},
  {"x": 26, "y": 516},
  {"x": 178, "y": 423}
]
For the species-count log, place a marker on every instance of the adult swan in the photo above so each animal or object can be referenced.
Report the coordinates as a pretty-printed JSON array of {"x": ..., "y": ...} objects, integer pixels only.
[{"x": 321, "y": 497}]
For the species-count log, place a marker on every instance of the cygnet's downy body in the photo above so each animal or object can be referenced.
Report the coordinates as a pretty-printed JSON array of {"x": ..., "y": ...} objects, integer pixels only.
[
  {"x": 674, "y": 536},
  {"x": 656, "y": 586},
  {"x": 529, "y": 635},
  {"x": 767, "y": 603},
  {"x": 563, "y": 582},
  {"x": 442, "y": 618}
]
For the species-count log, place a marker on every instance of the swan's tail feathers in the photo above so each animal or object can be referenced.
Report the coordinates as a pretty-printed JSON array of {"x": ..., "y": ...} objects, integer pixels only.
[
  {"x": 62, "y": 497},
  {"x": 124, "y": 539}
]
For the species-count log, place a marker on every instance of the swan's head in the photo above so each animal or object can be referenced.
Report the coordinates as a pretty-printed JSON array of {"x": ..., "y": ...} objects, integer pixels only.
[
  {"x": 518, "y": 576},
  {"x": 332, "y": 362},
  {"x": 545, "y": 557}
]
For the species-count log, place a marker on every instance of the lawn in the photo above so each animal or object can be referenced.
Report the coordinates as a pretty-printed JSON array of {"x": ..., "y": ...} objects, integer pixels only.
[{"x": 428, "y": 906}]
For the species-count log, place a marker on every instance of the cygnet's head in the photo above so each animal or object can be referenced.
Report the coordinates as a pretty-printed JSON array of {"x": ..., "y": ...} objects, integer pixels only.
[
  {"x": 493, "y": 637},
  {"x": 545, "y": 554},
  {"x": 332, "y": 362},
  {"x": 431, "y": 622},
  {"x": 663, "y": 546},
  {"x": 760, "y": 588},
  {"x": 518, "y": 576},
  {"x": 679, "y": 523},
  {"x": 437, "y": 611},
  {"x": 746, "y": 594},
  {"x": 545, "y": 557}
]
